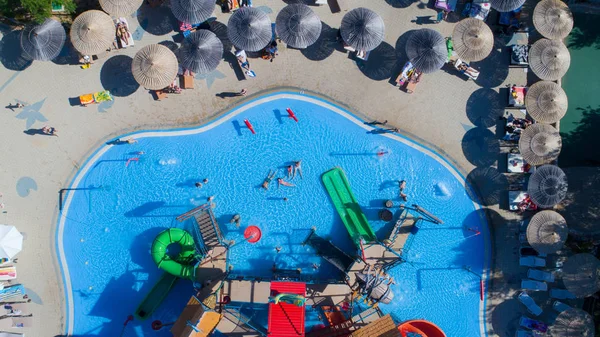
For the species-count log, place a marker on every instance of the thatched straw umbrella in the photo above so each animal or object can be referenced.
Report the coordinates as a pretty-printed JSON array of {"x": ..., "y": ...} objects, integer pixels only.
[
  {"x": 298, "y": 26},
  {"x": 573, "y": 323},
  {"x": 426, "y": 50},
  {"x": 540, "y": 144},
  {"x": 120, "y": 7},
  {"x": 506, "y": 5},
  {"x": 192, "y": 11},
  {"x": 546, "y": 102},
  {"x": 43, "y": 42},
  {"x": 549, "y": 59},
  {"x": 249, "y": 29},
  {"x": 201, "y": 52},
  {"x": 547, "y": 186},
  {"x": 473, "y": 39},
  {"x": 553, "y": 19},
  {"x": 92, "y": 32},
  {"x": 581, "y": 274},
  {"x": 362, "y": 29},
  {"x": 547, "y": 232},
  {"x": 154, "y": 67}
]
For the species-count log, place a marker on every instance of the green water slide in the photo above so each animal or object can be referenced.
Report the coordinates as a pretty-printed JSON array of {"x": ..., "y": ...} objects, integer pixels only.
[
  {"x": 345, "y": 203},
  {"x": 176, "y": 265}
]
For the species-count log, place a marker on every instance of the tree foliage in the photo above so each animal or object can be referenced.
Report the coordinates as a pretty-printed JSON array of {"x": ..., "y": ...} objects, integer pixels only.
[{"x": 36, "y": 10}]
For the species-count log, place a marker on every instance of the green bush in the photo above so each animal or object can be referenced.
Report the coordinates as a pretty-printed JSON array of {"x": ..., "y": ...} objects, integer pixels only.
[{"x": 37, "y": 10}]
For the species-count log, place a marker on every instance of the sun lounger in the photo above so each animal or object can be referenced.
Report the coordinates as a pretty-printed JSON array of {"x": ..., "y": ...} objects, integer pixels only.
[
  {"x": 510, "y": 19},
  {"x": 515, "y": 163},
  {"x": 12, "y": 293},
  {"x": 10, "y": 322},
  {"x": 243, "y": 62},
  {"x": 561, "y": 294},
  {"x": 514, "y": 198},
  {"x": 516, "y": 96},
  {"x": 529, "y": 251},
  {"x": 519, "y": 55},
  {"x": 534, "y": 285},
  {"x": 187, "y": 82},
  {"x": 446, "y": 5},
  {"x": 11, "y": 334},
  {"x": 125, "y": 40},
  {"x": 464, "y": 68},
  {"x": 529, "y": 303},
  {"x": 409, "y": 78},
  {"x": 532, "y": 261},
  {"x": 536, "y": 274},
  {"x": 560, "y": 306},
  {"x": 533, "y": 324},
  {"x": 480, "y": 9}
]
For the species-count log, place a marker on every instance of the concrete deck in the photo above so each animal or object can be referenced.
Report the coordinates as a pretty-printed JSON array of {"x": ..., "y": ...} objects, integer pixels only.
[{"x": 446, "y": 112}]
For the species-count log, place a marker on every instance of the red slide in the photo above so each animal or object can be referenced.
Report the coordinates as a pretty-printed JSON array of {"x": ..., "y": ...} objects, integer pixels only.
[
  {"x": 286, "y": 320},
  {"x": 292, "y": 114},
  {"x": 421, "y": 327}
]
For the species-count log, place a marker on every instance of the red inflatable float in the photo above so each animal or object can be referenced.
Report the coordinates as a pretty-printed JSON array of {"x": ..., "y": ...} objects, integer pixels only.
[
  {"x": 292, "y": 115},
  {"x": 249, "y": 126},
  {"x": 252, "y": 234},
  {"x": 423, "y": 328}
]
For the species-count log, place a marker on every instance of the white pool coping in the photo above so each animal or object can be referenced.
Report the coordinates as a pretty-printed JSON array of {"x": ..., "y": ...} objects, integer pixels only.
[{"x": 226, "y": 117}]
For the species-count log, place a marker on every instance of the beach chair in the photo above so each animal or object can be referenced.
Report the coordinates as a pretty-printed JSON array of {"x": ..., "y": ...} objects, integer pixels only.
[
  {"x": 516, "y": 96},
  {"x": 529, "y": 303},
  {"x": 534, "y": 285},
  {"x": 525, "y": 333},
  {"x": 515, "y": 198},
  {"x": 532, "y": 261},
  {"x": 560, "y": 306},
  {"x": 11, "y": 322},
  {"x": 11, "y": 334},
  {"x": 533, "y": 324},
  {"x": 480, "y": 9},
  {"x": 536, "y": 274},
  {"x": 244, "y": 64},
  {"x": 8, "y": 273},
  {"x": 465, "y": 69},
  {"x": 125, "y": 40},
  {"x": 561, "y": 294}
]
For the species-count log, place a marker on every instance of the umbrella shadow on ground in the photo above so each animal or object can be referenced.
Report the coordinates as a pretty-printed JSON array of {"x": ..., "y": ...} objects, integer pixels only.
[
  {"x": 325, "y": 45},
  {"x": 488, "y": 184},
  {"x": 68, "y": 55},
  {"x": 505, "y": 317},
  {"x": 381, "y": 62},
  {"x": 480, "y": 146},
  {"x": 116, "y": 76},
  {"x": 157, "y": 20},
  {"x": 494, "y": 68},
  {"x": 401, "y": 57},
  {"x": 169, "y": 44},
  {"x": 400, "y": 3},
  {"x": 484, "y": 107},
  {"x": 12, "y": 56}
]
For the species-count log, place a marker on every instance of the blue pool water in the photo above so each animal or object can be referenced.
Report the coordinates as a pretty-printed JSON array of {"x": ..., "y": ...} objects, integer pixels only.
[{"x": 115, "y": 211}]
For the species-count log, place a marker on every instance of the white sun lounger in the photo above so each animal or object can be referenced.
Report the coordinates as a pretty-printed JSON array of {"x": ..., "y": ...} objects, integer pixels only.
[
  {"x": 11, "y": 334},
  {"x": 532, "y": 261},
  {"x": 534, "y": 285},
  {"x": 561, "y": 294},
  {"x": 560, "y": 306},
  {"x": 536, "y": 274},
  {"x": 529, "y": 303}
]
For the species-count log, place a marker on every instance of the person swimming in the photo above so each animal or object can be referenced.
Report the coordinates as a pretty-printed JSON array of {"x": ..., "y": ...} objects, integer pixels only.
[
  {"x": 290, "y": 171},
  {"x": 402, "y": 187},
  {"x": 298, "y": 168},
  {"x": 268, "y": 179},
  {"x": 280, "y": 182}
]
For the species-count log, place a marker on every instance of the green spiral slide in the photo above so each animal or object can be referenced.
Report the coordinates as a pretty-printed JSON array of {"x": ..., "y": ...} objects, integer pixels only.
[
  {"x": 345, "y": 203},
  {"x": 176, "y": 266}
]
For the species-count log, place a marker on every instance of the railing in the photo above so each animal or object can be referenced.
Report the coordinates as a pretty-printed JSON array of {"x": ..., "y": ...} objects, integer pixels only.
[
  {"x": 246, "y": 320},
  {"x": 428, "y": 216},
  {"x": 191, "y": 213},
  {"x": 397, "y": 226},
  {"x": 284, "y": 275}
]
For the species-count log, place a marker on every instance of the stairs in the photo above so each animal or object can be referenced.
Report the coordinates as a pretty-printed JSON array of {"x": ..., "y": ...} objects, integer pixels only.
[{"x": 208, "y": 229}]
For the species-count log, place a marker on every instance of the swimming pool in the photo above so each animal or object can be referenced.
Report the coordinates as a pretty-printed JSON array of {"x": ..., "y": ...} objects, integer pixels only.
[{"x": 117, "y": 206}]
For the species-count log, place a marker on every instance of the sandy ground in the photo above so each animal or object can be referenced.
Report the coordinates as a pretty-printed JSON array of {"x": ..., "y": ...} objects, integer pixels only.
[{"x": 446, "y": 112}]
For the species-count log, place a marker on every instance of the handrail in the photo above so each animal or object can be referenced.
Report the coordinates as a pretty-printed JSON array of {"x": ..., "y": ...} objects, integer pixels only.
[
  {"x": 246, "y": 320},
  {"x": 213, "y": 222},
  {"x": 426, "y": 213},
  {"x": 191, "y": 212}
]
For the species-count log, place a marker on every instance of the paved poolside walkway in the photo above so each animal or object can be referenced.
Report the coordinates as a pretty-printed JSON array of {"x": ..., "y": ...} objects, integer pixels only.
[{"x": 445, "y": 111}]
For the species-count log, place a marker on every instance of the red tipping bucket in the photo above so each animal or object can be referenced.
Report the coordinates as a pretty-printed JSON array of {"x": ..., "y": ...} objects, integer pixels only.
[{"x": 252, "y": 234}]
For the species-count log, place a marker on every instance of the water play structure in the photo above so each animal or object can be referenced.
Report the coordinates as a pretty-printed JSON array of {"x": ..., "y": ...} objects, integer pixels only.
[
  {"x": 178, "y": 264},
  {"x": 345, "y": 203},
  {"x": 287, "y": 319},
  {"x": 421, "y": 328}
]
